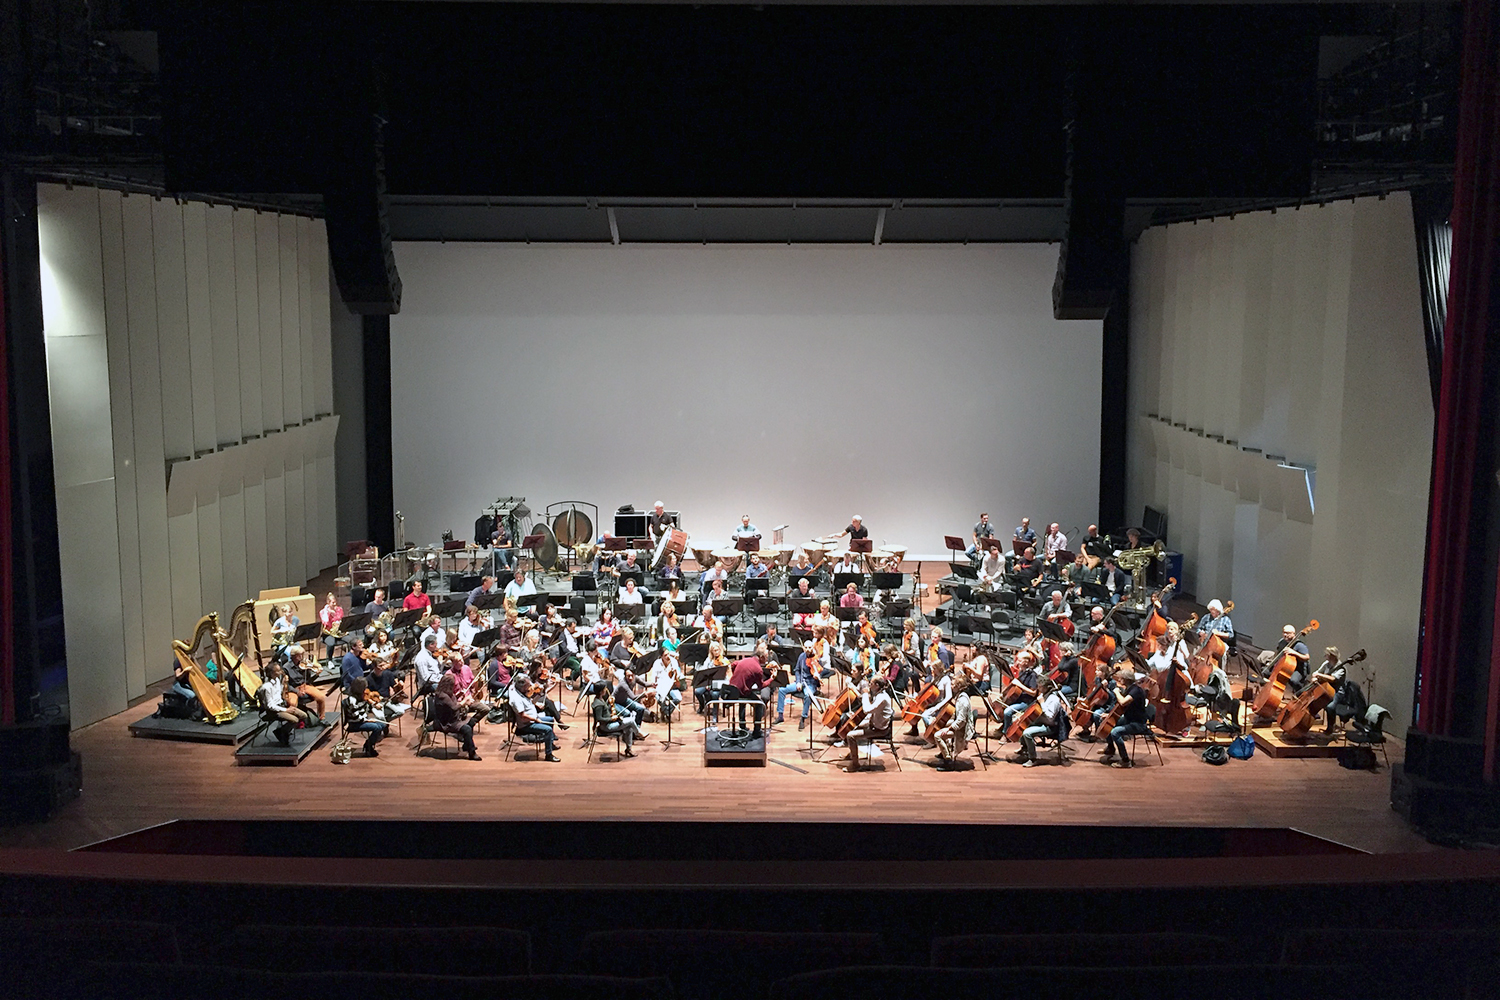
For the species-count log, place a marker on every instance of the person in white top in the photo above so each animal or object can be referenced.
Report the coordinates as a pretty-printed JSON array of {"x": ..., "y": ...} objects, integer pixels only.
[
  {"x": 628, "y": 593},
  {"x": 272, "y": 695},
  {"x": 469, "y": 628},
  {"x": 992, "y": 569},
  {"x": 434, "y": 630},
  {"x": 1053, "y": 707},
  {"x": 665, "y": 674},
  {"x": 1054, "y": 542},
  {"x": 847, "y": 565},
  {"x": 875, "y": 698},
  {"x": 519, "y": 586}
]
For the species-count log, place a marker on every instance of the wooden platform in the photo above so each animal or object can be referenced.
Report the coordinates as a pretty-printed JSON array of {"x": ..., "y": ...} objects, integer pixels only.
[
  {"x": 1273, "y": 743},
  {"x": 718, "y": 751},
  {"x": 232, "y": 733},
  {"x": 264, "y": 749}
]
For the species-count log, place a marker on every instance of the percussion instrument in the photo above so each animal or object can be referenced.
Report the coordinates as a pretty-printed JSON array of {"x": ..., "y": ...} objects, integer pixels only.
[
  {"x": 899, "y": 551},
  {"x": 875, "y": 559},
  {"x": 703, "y": 555},
  {"x": 674, "y": 542},
  {"x": 572, "y": 527},
  {"x": 731, "y": 557},
  {"x": 777, "y": 555}
]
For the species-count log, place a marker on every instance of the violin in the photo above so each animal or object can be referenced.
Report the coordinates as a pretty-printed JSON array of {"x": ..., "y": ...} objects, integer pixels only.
[
  {"x": 1267, "y": 703},
  {"x": 1298, "y": 717}
]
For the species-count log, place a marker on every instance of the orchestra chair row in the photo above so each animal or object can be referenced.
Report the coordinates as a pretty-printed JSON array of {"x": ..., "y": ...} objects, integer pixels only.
[
  {"x": 1107, "y": 980},
  {"x": 487, "y": 951},
  {"x": 714, "y": 964},
  {"x": 143, "y": 981},
  {"x": 44, "y": 956}
]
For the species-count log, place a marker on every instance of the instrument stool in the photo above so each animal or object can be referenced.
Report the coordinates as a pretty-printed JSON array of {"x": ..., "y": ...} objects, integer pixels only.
[
  {"x": 531, "y": 739},
  {"x": 1150, "y": 738},
  {"x": 428, "y": 731}
]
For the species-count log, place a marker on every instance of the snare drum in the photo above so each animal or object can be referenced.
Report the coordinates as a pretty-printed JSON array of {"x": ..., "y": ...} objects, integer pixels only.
[{"x": 675, "y": 542}]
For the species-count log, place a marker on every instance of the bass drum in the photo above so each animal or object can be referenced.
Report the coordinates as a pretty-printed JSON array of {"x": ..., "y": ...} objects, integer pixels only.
[
  {"x": 572, "y": 527},
  {"x": 673, "y": 542}
]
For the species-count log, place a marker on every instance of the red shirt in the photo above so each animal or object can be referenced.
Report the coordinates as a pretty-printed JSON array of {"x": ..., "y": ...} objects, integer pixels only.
[
  {"x": 748, "y": 675},
  {"x": 417, "y": 601}
]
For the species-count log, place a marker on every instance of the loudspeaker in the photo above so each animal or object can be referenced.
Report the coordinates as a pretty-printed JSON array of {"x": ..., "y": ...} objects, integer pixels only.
[
  {"x": 1445, "y": 759},
  {"x": 33, "y": 744},
  {"x": 359, "y": 232},
  {"x": 35, "y": 794}
]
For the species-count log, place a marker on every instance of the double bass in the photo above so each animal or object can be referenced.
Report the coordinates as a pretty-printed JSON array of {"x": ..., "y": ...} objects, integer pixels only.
[
  {"x": 1156, "y": 622},
  {"x": 1100, "y": 650},
  {"x": 1297, "y": 718},
  {"x": 1201, "y": 664},
  {"x": 1267, "y": 703}
]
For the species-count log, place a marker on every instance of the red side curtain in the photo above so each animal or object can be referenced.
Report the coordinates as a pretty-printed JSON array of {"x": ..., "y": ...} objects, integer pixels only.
[{"x": 1469, "y": 342}]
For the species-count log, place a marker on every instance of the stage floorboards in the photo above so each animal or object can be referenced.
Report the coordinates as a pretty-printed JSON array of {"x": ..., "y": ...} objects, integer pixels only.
[{"x": 130, "y": 783}]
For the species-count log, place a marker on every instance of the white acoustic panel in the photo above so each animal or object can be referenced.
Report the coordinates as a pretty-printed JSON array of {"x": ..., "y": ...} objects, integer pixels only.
[
  {"x": 224, "y": 317},
  {"x": 307, "y": 350},
  {"x": 187, "y": 590},
  {"x": 93, "y": 623},
  {"x": 268, "y": 278},
  {"x": 200, "y": 325},
  {"x": 273, "y": 465},
  {"x": 257, "y": 572},
  {"x": 174, "y": 348},
  {"x": 247, "y": 311},
  {"x": 295, "y": 531},
  {"x": 211, "y": 557},
  {"x": 909, "y": 384},
  {"x": 289, "y": 283}
]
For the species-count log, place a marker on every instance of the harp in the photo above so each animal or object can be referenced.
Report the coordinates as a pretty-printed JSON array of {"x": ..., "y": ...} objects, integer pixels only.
[
  {"x": 215, "y": 705},
  {"x": 234, "y": 647}
]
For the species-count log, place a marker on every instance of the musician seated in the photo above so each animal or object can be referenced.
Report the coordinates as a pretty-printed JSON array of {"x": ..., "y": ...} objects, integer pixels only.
[
  {"x": 434, "y": 631},
  {"x": 352, "y": 666},
  {"x": 330, "y": 614},
  {"x": 1057, "y": 609},
  {"x": 850, "y": 597},
  {"x": 274, "y": 705},
  {"x": 879, "y": 715},
  {"x": 800, "y": 566},
  {"x": 1024, "y": 533},
  {"x": 282, "y": 630},
  {"x": 1348, "y": 700},
  {"x": 627, "y": 564},
  {"x": 1217, "y": 622},
  {"x": 861, "y": 658},
  {"x": 449, "y": 716},
  {"x": 671, "y": 573},
  {"x": 1053, "y": 722},
  {"x": 624, "y": 691},
  {"x": 955, "y": 735},
  {"x": 620, "y": 654},
  {"x": 611, "y": 720},
  {"x": 804, "y": 682},
  {"x": 359, "y": 716},
  {"x": 702, "y": 695},
  {"x": 1022, "y": 691},
  {"x": 1097, "y": 626},
  {"x": 665, "y": 673},
  {"x": 604, "y": 629},
  {"x": 938, "y": 651},
  {"x": 1213, "y": 695},
  {"x": 1299, "y": 652},
  {"x": 1128, "y": 692},
  {"x": 715, "y": 572},
  {"x": 531, "y": 720},
  {"x": 848, "y": 564},
  {"x": 428, "y": 667},
  {"x": 1115, "y": 580},
  {"x": 300, "y": 671},
  {"x": 1079, "y": 572},
  {"x": 942, "y": 679},
  {"x": 519, "y": 586},
  {"x": 992, "y": 569},
  {"x": 773, "y": 637},
  {"x": 183, "y": 688},
  {"x": 503, "y": 546},
  {"x": 376, "y": 607},
  {"x": 1025, "y": 567},
  {"x": 629, "y": 594},
  {"x": 471, "y": 626},
  {"x": 756, "y": 570},
  {"x": 1067, "y": 669},
  {"x": 416, "y": 598},
  {"x": 1053, "y": 542}
]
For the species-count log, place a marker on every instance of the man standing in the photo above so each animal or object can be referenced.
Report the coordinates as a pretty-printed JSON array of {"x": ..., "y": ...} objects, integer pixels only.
[
  {"x": 748, "y": 676},
  {"x": 983, "y": 531},
  {"x": 658, "y": 522},
  {"x": 1054, "y": 543},
  {"x": 856, "y": 529},
  {"x": 745, "y": 530}
]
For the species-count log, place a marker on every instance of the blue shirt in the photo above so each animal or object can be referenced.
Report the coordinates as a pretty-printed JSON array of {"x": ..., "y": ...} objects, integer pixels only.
[
  {"x": 1025, "y": 534},
  {"x": 804, "y": 675},
  {"x": 351, "y": 667},
  {"x": 755, "y": 571},
  {"x": 1221, "y": 625}
]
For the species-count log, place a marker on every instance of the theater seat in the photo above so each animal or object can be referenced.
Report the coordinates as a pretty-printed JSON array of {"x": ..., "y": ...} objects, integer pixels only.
[
  {"x": 722, "y": 963},
  {"x": 472, "y": 951},
  {"x": 1142, "y": 948},
  {"x": 43, "y": 957}
]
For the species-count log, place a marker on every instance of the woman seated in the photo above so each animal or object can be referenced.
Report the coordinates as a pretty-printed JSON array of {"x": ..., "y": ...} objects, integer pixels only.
[
  {"x": 449, "y": 716},
  {"x": 610, "y": 721},
  {"x": 360, "y": 716}
]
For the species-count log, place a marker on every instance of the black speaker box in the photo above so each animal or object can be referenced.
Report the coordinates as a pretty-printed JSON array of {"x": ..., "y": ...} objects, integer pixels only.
[
  {"x": 35, "y": 794},
  {"x": 33, "y": 744}
]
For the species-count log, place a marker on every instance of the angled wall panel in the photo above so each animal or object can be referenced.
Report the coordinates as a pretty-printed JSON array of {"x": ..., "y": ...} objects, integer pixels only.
[
  {"x": 247, "y": 313},
  {"x": 224, "y": 319},
  {"x": 268, "y": 281},
  {"x": 200, "y": 326},
  {"x": 289, "y": 283}
]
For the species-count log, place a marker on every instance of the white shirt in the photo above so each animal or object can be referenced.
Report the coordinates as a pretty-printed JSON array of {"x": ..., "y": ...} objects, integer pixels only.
[
  {"x": 1051, "y": 705},
  {"x": 427, "y": 667},
  {"x": 1052, "y": 543},
  {"x": 439, "y": 633},
  {"x": 467, "y": 630},
  {"x": 628, "y": 596},
  {"x": 847, "y": 566},
  {"x": 661, "y": 678},
  {"x": 878, "y": 712},
  {"x": 522, "y": 706},
  {"x": 993, "y": 567},
  {"x": 514, "y": 589},
  {"x": 272, "y": 689}
]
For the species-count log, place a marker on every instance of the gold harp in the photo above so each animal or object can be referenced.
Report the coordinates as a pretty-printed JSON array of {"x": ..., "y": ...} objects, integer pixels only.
[
  {"x": 215, "y": 705},
  {"x": 231, "y": 653}
]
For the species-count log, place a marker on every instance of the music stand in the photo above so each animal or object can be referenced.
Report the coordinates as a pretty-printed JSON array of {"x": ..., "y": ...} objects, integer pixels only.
[
  {"x": 354, "y": 623},
  {"x": 494, "y": 599},
  {"x": 899, "y": 608},
  {"x": 861, "y": 545},
  {"x": 482, "y": 640},
  {"x": 630, "y": 612},
  {"x": 692, "y": 652},
  {"x": 616, "y": 543},
  {"x": 954, "y": 544},
  {"x": 764, "y": 607},
  {"x": 407, "y": 618},
  {"x": 1064, "y": 556},
  {"x": 842, "y": 580},
  {"x": 639, "y": 576},
  {"x": 760, "y": 583},
  {"x": 803, "y": 605},
  {"x": 888, "y": 581},
  {"x": 1096, "y": 592},
  {"x": 450, "y": 608},
  {"x": 1018, "y": 546},
  {"x": 963, "y": 571},
  {"x": 531, "y": 543},
  {"x": 1051, "y": 630},
  {"x": 728, "y": 607},
  {"x": 747, "y": 545},
  {"x": 307, "y": 633}
]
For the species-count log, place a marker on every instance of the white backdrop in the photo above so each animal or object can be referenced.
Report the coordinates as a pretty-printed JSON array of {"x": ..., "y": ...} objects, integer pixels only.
[{"x": 915, "y": 385}]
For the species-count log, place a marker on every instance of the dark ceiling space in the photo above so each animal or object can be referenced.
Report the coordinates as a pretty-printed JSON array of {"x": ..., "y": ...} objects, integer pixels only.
[{"x": 678, "y": 101}]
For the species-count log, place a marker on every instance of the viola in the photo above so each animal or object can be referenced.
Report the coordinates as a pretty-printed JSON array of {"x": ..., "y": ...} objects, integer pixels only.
[
  {"x": 1297, "y": 718},
  {"x": 1156, "y": 622},
  {"x": 1267, "y": 703}
]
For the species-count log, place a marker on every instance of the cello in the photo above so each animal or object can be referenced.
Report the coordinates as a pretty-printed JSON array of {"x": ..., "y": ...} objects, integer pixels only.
[
  {"x": 1267, "y": 703},
  {"x": 1298, "y": 717},
  {"x": 1156, "y": 622},
  {"x": 847, "y": 701},
  {"x": 1083, "y": 709},
  {"x": 1101, "y": 649},
  {"x": 1201, "y": 664}
]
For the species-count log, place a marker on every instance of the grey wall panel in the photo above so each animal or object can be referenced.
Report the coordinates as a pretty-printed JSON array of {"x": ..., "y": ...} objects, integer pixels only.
[
  {"x": 247, "y": 311},
  {"x": 289, "y": 282},
  {"x": 94, "y": 619},
  {"x": 295, "y": 531},
  {"x": 319, "y": 289},
  {"x": 223, "y": 314},
  {"x": 200, "y": 325},
  {"x": 187, "y": 597},
  {"x": 122, "y": 428},
  {"x": 232, "y": 535},
  {"x": 174, "y": 348},
  {"x": 150, "y": 453},
  {"x": 211, "y": 558},
  {"x": 268, "y": 279},
  {"x": 307, "y": 342},
  {"x": 274, "y": 497}
]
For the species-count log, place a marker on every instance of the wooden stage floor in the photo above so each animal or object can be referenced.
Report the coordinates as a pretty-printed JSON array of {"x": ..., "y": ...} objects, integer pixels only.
[{"x": 131, "y": 783}]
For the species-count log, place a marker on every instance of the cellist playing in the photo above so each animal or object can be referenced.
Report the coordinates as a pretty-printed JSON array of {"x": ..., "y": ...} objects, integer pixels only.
[{"x": 875, "y": 698}]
